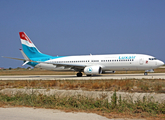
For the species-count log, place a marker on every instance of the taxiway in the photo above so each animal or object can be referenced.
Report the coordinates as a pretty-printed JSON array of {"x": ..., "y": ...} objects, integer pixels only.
[{"x": 72, "y": 77}]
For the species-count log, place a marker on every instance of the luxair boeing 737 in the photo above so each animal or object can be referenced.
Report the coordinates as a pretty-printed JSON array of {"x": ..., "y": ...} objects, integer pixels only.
[{"x": 89, "y": 64}]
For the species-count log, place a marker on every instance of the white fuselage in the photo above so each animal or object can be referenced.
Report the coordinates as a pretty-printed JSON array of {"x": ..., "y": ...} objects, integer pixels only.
[{"x": 115, "y": 62}]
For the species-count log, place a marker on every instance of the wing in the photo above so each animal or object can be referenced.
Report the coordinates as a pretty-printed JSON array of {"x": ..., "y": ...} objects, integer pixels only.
[{"x": 66, "y": 66}]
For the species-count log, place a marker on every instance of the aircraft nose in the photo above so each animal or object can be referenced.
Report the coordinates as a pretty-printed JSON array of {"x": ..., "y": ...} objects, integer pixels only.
[{"x": 160, "y": 63}]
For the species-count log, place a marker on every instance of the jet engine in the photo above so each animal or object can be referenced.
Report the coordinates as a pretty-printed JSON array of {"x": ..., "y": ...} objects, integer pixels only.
[{"x": 92, "y": 70}]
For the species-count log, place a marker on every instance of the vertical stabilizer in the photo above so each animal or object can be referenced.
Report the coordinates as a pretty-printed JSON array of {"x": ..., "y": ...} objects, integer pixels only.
[{"x": 29, "y": 48}]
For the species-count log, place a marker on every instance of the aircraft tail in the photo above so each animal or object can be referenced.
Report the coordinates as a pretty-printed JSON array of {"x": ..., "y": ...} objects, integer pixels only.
[{"x": 29, "y": 48}]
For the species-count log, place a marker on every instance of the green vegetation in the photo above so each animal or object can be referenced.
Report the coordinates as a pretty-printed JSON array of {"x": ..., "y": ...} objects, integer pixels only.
[{"x": 145, "y": 108}]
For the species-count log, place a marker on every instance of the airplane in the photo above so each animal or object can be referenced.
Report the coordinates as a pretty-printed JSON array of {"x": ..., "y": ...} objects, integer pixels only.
[{"x": 89, "y": 64}]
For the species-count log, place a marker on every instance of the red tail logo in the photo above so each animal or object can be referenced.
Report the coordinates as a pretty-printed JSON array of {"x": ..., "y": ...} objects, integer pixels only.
[{"x": 24, "y": 37}]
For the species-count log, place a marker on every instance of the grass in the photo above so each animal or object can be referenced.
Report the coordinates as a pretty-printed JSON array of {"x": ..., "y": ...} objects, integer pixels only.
[
  {"x": 125, "y": 85},
  {"x": 143, "y": 109},
  {"x": 117, "y": 107}
]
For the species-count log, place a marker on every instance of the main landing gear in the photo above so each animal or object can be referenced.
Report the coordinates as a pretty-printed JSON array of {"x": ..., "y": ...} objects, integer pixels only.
[{"x": 79, "y": 74}]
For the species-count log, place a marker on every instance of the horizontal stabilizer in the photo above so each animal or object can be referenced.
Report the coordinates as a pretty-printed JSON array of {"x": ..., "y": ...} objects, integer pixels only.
[
  {"x": 25, "y": 63},
  {"x": 19, "y": 59},
  {"x": 14, "y": 58}
]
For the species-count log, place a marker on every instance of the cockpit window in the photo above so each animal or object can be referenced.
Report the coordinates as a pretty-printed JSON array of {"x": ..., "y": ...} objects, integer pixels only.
[{"x": 152, "y": 58}]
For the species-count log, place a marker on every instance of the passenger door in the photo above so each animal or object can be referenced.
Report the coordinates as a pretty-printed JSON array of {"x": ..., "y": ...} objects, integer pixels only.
[{"x": 141, "y": 61}]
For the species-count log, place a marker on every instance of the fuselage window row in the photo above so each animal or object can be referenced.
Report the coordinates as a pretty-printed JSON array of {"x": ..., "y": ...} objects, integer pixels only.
[
  {"x": 116, "y": 60},
  {"x": 80, "y": 61},
  {"x": 71, "y": 61}
]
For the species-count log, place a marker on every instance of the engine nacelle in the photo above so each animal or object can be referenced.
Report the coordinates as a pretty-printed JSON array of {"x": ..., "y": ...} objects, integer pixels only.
[{"x": 92, "y": 70}]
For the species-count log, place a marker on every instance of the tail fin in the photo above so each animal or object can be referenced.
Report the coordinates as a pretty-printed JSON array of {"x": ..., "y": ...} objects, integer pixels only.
[{"x": 29, "y": 48}]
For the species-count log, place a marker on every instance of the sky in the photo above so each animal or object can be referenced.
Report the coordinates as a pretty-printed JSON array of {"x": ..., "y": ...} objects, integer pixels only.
[{"x": 80, "y": 27}]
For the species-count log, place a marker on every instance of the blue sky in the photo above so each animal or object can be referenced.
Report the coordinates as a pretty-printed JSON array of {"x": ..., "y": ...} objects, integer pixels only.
[{"x": 79, "y": 27}]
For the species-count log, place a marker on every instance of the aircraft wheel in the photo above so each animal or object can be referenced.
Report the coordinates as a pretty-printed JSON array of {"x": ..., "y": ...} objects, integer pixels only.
[
  {"x": 79, "y": 74},
  {"x": 145, "y": 73}
]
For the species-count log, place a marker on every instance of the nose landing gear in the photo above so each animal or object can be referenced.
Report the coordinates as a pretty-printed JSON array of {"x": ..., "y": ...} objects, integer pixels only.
[{"x": 145, "y": 73}]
